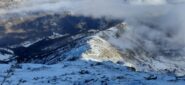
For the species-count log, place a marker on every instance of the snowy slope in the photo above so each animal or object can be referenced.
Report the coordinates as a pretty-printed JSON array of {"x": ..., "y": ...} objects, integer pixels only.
[
  {"x": 81, "y": 72},
  {"x": 5, "y": 54},
  {"x": 4, "y": 57}
]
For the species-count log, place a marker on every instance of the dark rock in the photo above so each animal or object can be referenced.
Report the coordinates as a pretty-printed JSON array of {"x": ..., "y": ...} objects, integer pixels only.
[
  {"x": 151, "y": 77},
  {"x": 120, "y": 77},
  {"x": 84, "y": 72},
  {"x": 96, "y": 64},
  {"x": 120, "y": 62},
  {"x": 88, "y": 80},
  {"x": 131, "y": 68},
  {"x": 72, "y": 58}
]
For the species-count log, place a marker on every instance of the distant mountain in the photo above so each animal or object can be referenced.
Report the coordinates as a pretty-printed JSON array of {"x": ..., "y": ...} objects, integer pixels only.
[
  {"x": 92, "y": 59},
  {"x": 49, "y": 33},
  {"x": 50, "y": 42}
]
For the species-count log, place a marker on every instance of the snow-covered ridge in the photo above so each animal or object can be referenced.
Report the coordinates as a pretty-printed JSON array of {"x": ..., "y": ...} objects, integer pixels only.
[{"x": 120, "y": 46}]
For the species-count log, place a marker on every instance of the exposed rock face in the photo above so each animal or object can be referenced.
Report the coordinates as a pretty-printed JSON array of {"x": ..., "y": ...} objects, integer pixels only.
[{"x": 100, "y": 50}]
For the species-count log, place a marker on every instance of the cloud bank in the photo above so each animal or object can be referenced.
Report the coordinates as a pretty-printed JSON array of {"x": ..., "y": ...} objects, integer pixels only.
[{"x": 114, "y": 8}]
